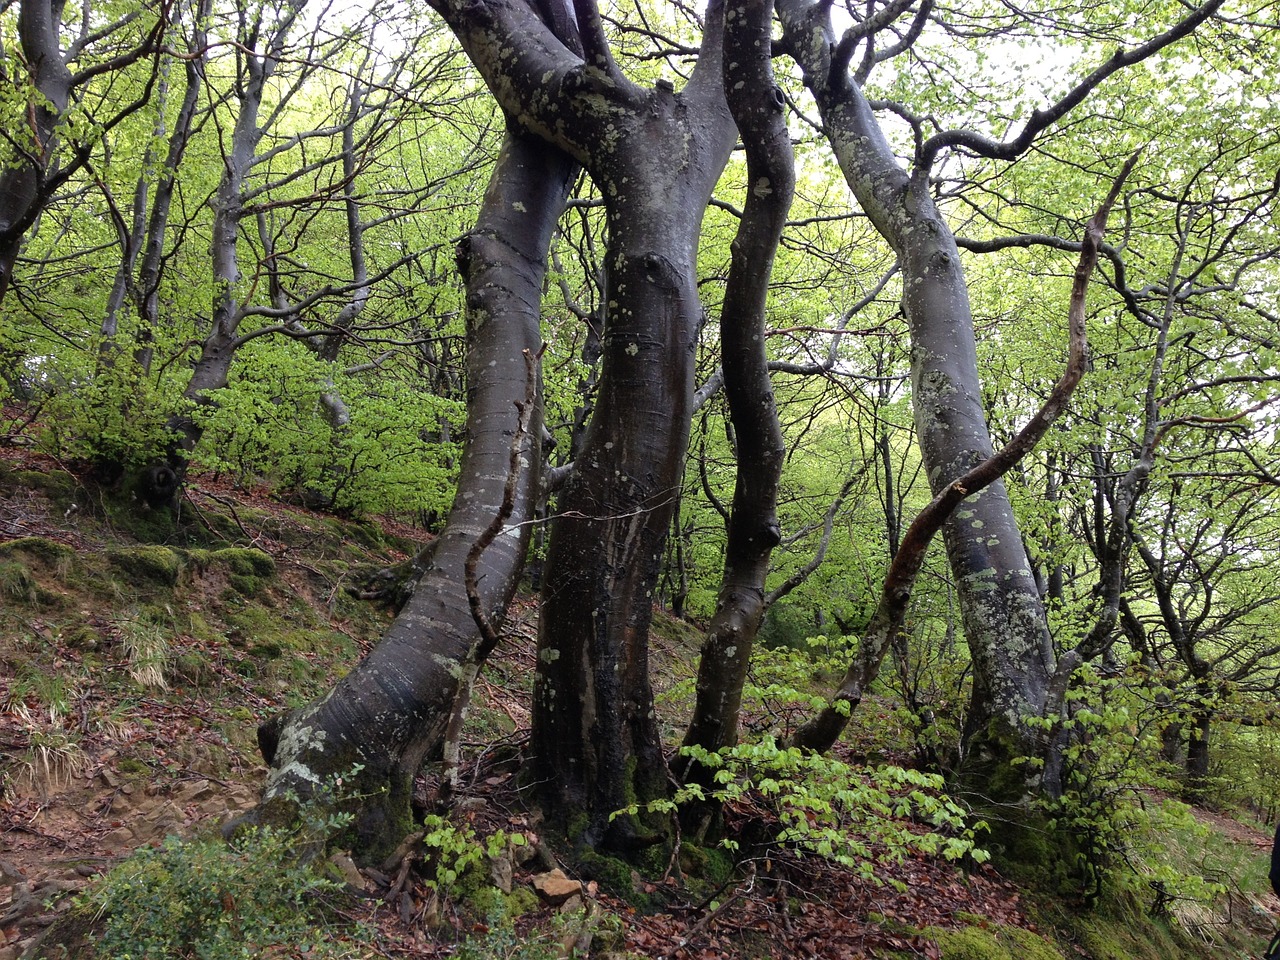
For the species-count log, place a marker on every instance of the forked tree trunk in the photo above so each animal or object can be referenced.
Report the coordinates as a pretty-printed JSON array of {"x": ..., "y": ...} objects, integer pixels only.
[
  {"x": 596, "y": 743},
  {"x": 655, "y": 155},
  {"x": 392, "y": 709},
  {"x": 212, "y": 368}
]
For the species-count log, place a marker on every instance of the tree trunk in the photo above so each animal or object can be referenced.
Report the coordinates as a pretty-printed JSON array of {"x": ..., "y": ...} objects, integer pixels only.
[
  {"x": 212, "y": 368},
  {"x": 655, "y": 156},
  {"x": 146, "y": 290},
  {"x": 595, "y": 742},
  {"x": 753, "y": 523},
  {"x": 1198, "y": 753},
  {"x": 22, "y": 177},
  {"x": 392, "y": 709},
  {"x": 1013, "y": 660}
]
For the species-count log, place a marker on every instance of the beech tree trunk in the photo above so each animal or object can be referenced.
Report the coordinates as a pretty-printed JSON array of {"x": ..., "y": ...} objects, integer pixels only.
[
  {"x": 596, "y": 743},
  {"x": 213, "y": 367},
  {"x": 753, "y": 523},
  {"x": 1013, "y": 660},
  {"x": 655, "y": 156},
  {"x": 23, "y": 190},
  {"x": 392, "y": 709}
]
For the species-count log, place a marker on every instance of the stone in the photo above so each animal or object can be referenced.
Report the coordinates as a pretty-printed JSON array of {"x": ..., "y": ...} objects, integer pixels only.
[
  {"x": 9, "y": 874},
  {"x": 572, "y": 905},
  {"x": 501, "y": 871},
  {"x": 120, "y": 838},
  {"x": 347, "y": 869},
  {"x": 555, "y": 888},
  {"x": 197, "y": 790}
]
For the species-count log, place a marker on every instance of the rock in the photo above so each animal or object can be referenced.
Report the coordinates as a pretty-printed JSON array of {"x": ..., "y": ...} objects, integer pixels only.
[
  {"x": 193, "y": 792},
  {"x": 501, "y": 871},
  {"x": 555, "y": 888},
  {"x": 9, "y": 874},
  {"x": 526, "y": 851},
  {"x": 347, "y": 869},
  {"x": 572, "y": 905},
  {"x": 120, "y": 838}
]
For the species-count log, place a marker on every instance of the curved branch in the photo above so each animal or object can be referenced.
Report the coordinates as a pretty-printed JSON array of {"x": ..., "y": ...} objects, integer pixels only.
[
  {"x": 1040, "y": 120},
  {"x": 821, "y": 732}
]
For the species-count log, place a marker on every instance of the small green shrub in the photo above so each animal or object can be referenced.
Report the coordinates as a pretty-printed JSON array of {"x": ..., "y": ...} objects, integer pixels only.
[
  {"x": 853, "y": 816},
  {"x": 1113, "y": 830},
  {"x": 210, "y": 900},
  {"x": 110, "y": 415},
  {"x": 455, "y": 858},
  {"x": 498, "y": 939}
]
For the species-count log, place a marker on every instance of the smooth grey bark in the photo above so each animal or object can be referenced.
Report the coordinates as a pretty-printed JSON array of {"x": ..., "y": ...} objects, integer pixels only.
[
  {"x": 153, "y": 198},
  {"x": 256, "y": 65},
  {"x": 392, "y": 709},
  {"x": 758, "y": 108},
  {"x": 1016, "y": 674},
  {"x": 890, "y": 615},
  {"x": 244, "y": 190},
  {"x": 655, "y": 155},
  {"x": 1003, "y": 615}
]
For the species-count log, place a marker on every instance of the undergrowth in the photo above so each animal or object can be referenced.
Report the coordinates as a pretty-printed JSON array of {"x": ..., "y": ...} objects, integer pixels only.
[{"x": 207, "y": 899}]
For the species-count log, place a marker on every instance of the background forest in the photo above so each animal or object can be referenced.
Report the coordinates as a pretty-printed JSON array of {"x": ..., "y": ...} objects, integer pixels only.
[{"x": 390, "y": 262}]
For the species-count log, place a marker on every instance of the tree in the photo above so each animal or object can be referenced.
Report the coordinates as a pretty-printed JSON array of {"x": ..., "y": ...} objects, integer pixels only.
[
  {"x": 1017, "y": 677},
  {"x": 389, "y": 712},
  {"x": 655, "y": 155},
  {"x": 51, "y": 76}
]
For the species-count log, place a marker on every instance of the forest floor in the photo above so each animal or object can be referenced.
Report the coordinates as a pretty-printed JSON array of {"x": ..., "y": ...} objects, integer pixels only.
[{"x": 137, "y": 659}]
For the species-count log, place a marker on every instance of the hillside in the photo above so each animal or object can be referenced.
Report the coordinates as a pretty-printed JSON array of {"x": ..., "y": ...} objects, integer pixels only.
[{"x": 137, "y": 657}]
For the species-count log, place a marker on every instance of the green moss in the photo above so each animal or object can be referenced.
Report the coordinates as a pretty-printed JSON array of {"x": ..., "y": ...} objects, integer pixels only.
[
  {"x": 246, "y": 561},
  {"x": 248, "y": 569},
  {"x": 41, "y": 549},
  {"x": 142, "y": 524},
  {"x": 616, "y": 877},
  {"x": 993, "y": 943},
  {"x": 132, "y": 767},
  {"x": 147, "y": 565},
  {"x": 711, "y": 867},
  {"x": 970, "y": 943},
  {"x": 199, "y": 627},
  {"x": 17, "y": 585},
  {"x": 84, "y": 638},
  {"x": 58, "y": 485},
  {"x": 192, "y": 669},
  {"x": 1025, "y": 945},
  {"x": 366, "y": 534}
]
